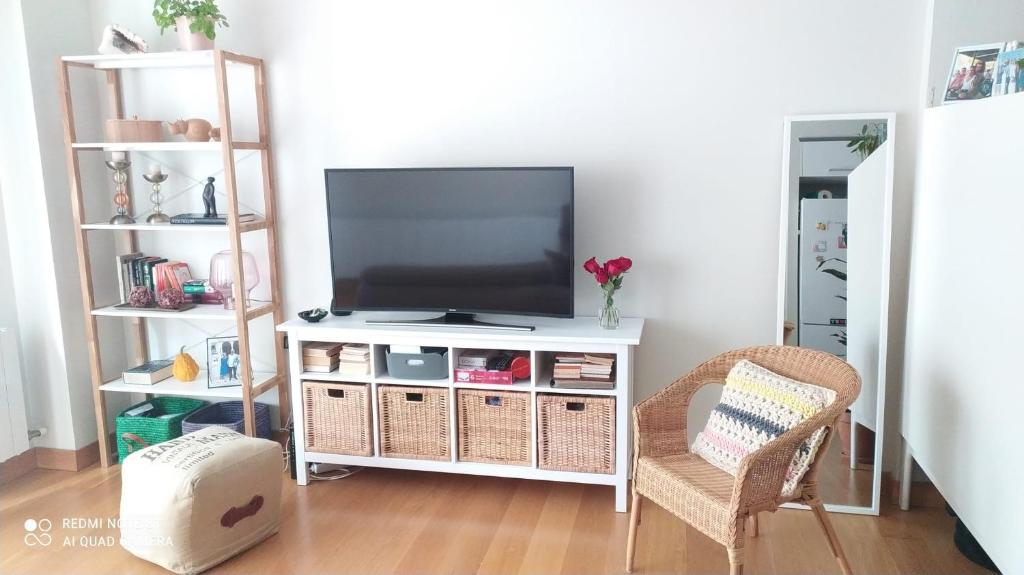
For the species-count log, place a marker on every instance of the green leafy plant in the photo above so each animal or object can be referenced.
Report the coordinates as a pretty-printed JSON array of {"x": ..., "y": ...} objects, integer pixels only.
[
  {"x": 840, "y": 337},
  {"x": 832, "y": 271},
  {"x": 203, "y": 15},
  {"x": 871, "y": 136}
]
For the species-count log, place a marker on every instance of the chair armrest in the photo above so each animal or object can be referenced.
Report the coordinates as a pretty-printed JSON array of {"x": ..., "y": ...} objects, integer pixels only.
[
  {"x": 659, "y": 422},
  {"x": 762, "y": 473}
]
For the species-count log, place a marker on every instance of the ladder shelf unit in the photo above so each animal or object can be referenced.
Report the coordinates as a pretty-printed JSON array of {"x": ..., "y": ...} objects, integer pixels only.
[{"x": 253, "y": 383}]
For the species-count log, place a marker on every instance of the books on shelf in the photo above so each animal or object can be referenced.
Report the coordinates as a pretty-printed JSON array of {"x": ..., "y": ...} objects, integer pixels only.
[
  {"x": 345, "y": 358},
  {"x": 149, "y": 373},
  {"x": 212, "y": 220},
  {"x": 584, "y": 371},
  {"x": 321, "y": 349},
  {"x": 154, "y": 273}
]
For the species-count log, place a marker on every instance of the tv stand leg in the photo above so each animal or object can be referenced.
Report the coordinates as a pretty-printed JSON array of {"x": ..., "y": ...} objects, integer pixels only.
[{"x": 621, "y": 491}]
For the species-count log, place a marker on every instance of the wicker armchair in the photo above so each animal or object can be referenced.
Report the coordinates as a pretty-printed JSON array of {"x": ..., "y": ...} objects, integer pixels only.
[{"x": 712, "y": 501}]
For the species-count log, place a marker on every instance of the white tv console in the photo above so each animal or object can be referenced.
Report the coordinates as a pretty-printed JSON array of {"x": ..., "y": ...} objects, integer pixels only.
[{"x": 582, "y": 334}]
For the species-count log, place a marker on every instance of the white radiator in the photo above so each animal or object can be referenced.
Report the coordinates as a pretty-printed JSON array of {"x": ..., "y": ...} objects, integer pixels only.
[{"x": 13, "y": 427}]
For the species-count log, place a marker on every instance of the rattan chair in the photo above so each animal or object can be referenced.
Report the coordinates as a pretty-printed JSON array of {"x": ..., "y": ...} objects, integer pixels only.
[{"x": 712, "y": 501}]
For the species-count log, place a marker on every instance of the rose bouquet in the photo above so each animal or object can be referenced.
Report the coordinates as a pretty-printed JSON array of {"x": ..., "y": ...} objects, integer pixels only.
[{"x": 609, "y": 277}]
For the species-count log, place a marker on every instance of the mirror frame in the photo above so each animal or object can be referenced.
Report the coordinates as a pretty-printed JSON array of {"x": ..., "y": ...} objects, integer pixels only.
[{"x": 883, "y": 339}]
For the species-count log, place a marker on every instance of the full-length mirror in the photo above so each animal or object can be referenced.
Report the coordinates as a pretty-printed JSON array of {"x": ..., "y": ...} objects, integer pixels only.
[{"x": 834, "y": 278}]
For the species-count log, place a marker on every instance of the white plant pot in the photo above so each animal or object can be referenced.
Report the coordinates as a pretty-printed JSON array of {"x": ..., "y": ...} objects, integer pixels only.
[{"x": 188, "y": 40}]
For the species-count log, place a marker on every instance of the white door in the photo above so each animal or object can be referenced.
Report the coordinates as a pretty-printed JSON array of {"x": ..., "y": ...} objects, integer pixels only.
[{"x": 866, "y": 189}]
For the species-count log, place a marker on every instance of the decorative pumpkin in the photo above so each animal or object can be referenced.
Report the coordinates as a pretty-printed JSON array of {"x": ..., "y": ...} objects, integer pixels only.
[{"x": 185, "y": 368}]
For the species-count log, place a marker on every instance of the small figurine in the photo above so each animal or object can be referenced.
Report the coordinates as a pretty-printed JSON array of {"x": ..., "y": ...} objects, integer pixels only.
[
  {"x": 209, "y": 201},
  {"x": 194, "y": 129}
]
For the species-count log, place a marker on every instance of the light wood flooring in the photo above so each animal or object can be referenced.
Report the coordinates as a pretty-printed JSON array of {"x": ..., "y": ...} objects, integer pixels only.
[{"x": 389, "y": 521}]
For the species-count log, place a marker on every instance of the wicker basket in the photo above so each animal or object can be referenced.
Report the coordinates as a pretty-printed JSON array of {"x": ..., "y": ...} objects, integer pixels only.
[
  {"x": 494, "y": 426},
  {"x": 337, "y": 418},
  {"x": 135, "y": 432},
  {"x": 414, "y": 422},
  {"x": 576, "y": 433},
  {"x": 229, "y": 414}
]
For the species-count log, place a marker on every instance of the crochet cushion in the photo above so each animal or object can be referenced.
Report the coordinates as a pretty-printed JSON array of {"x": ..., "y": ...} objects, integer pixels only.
[{"x": 757, "y": 406}]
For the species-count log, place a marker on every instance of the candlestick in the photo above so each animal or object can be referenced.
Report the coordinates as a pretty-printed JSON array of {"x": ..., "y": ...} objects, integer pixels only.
[
  {"x": 156, "y": 178},
  {"x": 121, "y": 199}
]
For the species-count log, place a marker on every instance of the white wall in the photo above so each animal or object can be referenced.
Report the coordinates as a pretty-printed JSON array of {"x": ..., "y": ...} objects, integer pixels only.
[
  {"x": 671, "y": 113},
  {"x": 959, "y": 23},
  {"x": 962, "y": 394},
  {"x": 38, "y": 217}
]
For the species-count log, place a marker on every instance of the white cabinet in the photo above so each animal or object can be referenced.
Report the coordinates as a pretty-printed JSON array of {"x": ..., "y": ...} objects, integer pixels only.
[{"x": 822, "y": 158}]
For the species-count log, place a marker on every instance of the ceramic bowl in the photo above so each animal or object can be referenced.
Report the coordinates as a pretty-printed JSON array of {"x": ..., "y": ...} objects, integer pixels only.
[{"x": 313, "y": 315}]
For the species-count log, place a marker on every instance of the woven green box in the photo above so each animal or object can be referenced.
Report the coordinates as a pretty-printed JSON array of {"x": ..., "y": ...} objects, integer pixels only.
[{"x": 137, "y": 432}]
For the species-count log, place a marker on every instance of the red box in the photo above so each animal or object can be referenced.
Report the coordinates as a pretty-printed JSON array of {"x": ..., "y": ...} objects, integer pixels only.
[{"x": 484, "y": 376}]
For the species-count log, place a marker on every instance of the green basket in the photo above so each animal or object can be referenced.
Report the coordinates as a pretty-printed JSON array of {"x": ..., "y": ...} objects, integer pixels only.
[{"x": 137, "y": 432}]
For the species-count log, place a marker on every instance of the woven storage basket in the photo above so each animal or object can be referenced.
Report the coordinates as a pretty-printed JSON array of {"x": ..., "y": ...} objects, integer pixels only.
[
  {"x": 337, "y": 418},
  {"x": 414, "y": 422},
  {"x": 576, "y": 433},
  {"x": 228, "y": 414},
  {"x": 494, "y": 426},
  {"x": 135, "y": 432}
]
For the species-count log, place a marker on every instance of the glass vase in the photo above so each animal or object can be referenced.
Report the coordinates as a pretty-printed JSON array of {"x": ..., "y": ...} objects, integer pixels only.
[{"x": 608, "y": 317}]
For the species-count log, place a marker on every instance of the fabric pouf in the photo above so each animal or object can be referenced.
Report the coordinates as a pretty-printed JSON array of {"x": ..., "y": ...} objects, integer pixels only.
[{"x": 192, "y": 502}]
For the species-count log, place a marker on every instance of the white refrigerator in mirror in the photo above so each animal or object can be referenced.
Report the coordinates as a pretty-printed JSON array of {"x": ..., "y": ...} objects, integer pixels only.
[{"x": 822, "y": 295}]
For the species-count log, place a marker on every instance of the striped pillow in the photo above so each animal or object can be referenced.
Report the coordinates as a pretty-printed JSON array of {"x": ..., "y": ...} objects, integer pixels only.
[{"x": 757, "y": 406}]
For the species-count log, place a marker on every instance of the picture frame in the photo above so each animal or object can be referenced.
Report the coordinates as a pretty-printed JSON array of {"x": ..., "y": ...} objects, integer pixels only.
[
  {"x": 222, "y": 361},
  {"x": 971, "y": 73},
  {"x": 1009, "y": 70}
]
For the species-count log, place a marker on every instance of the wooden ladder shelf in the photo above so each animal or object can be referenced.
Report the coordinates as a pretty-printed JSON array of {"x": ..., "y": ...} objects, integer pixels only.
[{"x": 252, "y": 384}]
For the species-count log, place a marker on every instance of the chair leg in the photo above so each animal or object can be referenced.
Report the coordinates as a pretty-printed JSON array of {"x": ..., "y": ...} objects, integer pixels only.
[
  {"x": 830, "y": 534},
  {"x": 735, "y": 561},
  {"x": 753, "y": 530},
  {"x": 634, "y": 520}
]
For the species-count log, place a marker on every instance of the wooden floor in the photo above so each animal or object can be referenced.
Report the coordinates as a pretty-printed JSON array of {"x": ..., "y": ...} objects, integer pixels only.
[
  {"x": 839, "y": 484},
  {"x": 384, "y": 521}
]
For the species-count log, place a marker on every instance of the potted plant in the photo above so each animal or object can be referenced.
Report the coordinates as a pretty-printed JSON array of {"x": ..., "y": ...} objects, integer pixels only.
[
  {"x": 196, "y": 21},
  {"x": 871, "y": 136}
]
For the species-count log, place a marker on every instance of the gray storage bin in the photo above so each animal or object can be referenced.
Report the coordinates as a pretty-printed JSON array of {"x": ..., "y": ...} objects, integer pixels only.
[{"x": 428, "y": 365}]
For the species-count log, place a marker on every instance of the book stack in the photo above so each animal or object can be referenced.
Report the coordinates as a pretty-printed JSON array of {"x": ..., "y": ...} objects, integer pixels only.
[
  {"x": 354, "y": 359},
  {"x": 321, "y": 357},
  {"x": 158, "y": 274},
  {"x": 584, "y": 371},
  {"x": 193, "y": 219},
  {"x": 149, "y": 373}
]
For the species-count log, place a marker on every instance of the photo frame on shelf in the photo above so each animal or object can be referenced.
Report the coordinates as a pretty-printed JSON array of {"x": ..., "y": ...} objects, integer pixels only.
[
  {"x": 971, "y": 74},
  {"x": 222, "y": 362},
  {"x": 1009, "y": 70}
]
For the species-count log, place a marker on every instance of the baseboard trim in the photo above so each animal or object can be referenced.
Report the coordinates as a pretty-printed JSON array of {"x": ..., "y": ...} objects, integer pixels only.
[
  {"x": 922, "y": 493},
  {"x": 17, "y": 466}
]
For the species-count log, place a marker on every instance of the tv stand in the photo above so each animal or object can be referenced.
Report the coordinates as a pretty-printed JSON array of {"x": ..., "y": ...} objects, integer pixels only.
[
  {"x": 550, "y": 338},
  {"x": 451, "y": 319}
]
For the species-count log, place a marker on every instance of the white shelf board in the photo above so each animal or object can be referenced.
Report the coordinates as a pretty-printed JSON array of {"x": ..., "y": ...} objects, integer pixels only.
[
  {"x": 545, "y": 388},
  {"x": 196, "y": 388},
  {"x": 334, "y": 376},
  {"x": 180, "y": 59},
  {"x": 200, "y": 312},
  {"x": 466, "y": 467},
  {"x": 386, "y": 379},
  {"x": 143, "y": 226},
  {"x": 149, "y": 146},
  {"x": 517, "y": 386}
]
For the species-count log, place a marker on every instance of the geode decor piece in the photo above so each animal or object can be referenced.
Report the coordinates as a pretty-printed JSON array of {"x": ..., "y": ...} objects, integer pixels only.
[
  {"x": 120, "y": 40},
  {"x": 140, "y": 296},
  {"x": 170, "y": 298}
]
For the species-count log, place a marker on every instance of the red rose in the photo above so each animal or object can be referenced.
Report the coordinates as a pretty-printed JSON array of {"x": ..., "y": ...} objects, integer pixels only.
[
  {"x": 618, "y": 266},
  {"x": 601, "y": 276},
  {"x": 591, "y": 265}
]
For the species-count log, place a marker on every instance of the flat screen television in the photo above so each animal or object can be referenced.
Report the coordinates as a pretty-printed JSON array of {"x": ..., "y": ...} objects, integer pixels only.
[{"x": 454, "y": 240}]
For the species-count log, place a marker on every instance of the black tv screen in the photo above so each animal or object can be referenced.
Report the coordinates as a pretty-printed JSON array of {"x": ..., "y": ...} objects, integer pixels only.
[{"x": 461, "y": 240}]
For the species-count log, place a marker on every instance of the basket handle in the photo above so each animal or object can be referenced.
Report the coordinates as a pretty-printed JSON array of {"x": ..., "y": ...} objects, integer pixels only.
[
  {"x": 575, "y": 406},
  {"x": 236, "y": 514},
  {"x": 129, "y": 438},
  {"x": 418, "y": 397},
  {"x": 492, "y": 400},
  {"x": 336, "y": 393}
]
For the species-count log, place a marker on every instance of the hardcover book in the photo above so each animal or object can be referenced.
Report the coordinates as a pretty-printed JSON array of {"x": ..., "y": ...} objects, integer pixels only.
[{"x": 149, "y": 372}]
